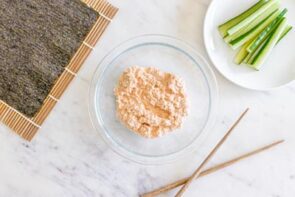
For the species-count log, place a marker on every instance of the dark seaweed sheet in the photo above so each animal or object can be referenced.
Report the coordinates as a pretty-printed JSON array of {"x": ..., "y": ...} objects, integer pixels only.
[{"x": 37, "y": 40}]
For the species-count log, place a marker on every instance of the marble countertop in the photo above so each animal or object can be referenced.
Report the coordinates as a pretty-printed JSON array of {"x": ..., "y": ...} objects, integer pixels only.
[{"x": 69, "y": 158}]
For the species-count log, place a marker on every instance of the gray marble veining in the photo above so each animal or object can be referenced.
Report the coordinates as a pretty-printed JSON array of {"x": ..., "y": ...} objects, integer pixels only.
[{"x": 69, "y": 158}]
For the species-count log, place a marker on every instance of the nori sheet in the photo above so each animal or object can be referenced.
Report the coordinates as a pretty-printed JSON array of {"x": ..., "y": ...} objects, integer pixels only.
[{"x": 37, "y": 40}]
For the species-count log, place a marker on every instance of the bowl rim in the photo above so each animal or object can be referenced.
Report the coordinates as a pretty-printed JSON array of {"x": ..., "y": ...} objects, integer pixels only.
[{"x": 212, "y": 86}]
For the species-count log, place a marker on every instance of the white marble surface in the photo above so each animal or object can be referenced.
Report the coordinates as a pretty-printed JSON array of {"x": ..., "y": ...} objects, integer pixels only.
[{"x": 68, "y": 157}]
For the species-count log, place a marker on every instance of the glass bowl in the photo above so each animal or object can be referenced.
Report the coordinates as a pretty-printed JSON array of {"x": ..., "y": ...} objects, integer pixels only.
[{"x": 170, "y": 55}]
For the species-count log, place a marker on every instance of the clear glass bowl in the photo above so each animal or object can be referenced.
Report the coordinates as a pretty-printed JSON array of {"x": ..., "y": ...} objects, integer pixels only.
[{"x": 167, "y": 54}]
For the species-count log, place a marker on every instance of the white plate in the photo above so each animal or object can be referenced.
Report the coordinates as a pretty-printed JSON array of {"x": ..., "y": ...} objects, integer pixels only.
[{"x": 277, "y": 71}]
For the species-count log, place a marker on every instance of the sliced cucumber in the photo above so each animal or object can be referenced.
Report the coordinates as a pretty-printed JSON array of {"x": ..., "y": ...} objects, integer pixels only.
[
  {"x": 252, "y": 17},
  {"x": 242, "y": 54},
  {"x": 227, "y": 25},
  {"x": 263, "y": 16},
  {"x": 253, "y": 32},
  {"x": 261, "y": 37},
  {"x": 270, "y": 43},
  {"x": 286, "y": 31},
  {"x": 254, "y": 53},
  {"x": 249, "y": 57},
  {"x": 256, "y": 31}
]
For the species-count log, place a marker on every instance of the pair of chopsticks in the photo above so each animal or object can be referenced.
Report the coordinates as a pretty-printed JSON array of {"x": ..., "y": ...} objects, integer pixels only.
[{"x": 199, "y": 171}]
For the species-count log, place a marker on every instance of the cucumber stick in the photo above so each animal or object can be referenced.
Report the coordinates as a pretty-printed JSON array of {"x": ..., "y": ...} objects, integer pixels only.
[
  {"x": 264, "y": 52},
  {"x": 261, "y": 37},
  {"x": 227, "y": 25},
  {"x": 257, "y": 31},
  {"x": 246, "y": 57},
  {"x": 243, "y": 53},
  {"x": 252, "y": 17},
  {"x": 286, "y": 31},
  {"x": 253, "y": 32},
  {"x": 254, "y": 53},
  {"x": 263, "y": 16}
]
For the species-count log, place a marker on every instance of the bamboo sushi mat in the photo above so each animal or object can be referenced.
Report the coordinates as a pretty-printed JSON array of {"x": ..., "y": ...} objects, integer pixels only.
[{"x": 27, "y": 128}]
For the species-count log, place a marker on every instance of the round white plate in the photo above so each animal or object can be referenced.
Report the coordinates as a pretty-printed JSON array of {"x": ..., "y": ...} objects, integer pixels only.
[{"x": 277, "y": 71}]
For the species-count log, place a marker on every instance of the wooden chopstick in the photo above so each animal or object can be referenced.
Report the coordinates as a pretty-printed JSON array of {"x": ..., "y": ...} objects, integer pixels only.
[
  {"x": 211, "y": 154},
  {"x": 211, "y": 170}
]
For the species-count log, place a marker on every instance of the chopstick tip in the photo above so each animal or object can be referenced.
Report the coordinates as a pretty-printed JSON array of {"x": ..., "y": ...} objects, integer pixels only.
[{"x": 280, "y": 141}]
